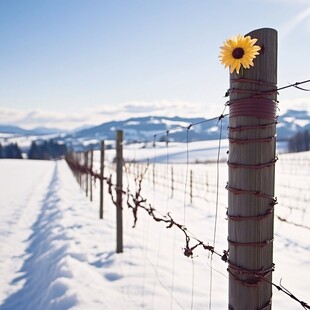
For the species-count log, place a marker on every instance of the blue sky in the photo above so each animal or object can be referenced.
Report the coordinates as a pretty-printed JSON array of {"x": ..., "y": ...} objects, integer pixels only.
[{"x": 73, "y": 62}]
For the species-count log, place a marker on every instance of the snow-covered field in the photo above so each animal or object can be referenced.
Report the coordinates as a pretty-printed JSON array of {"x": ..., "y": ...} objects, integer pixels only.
[{"x": 55, "y": 253}]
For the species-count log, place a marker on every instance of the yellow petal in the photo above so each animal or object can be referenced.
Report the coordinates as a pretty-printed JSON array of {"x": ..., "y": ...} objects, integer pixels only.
[{"x": 250, "y": 52}]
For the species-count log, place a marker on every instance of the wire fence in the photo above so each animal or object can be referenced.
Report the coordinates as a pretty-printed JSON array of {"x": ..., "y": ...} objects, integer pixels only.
[
  {"x": 196, "y": 183},
  {"x": 136, "y": 202}
]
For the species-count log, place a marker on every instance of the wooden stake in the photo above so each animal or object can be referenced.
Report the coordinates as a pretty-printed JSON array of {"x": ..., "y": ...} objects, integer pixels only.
[
  {"x": 101, "y": 179},
  {"x": 86, "y": 174},
  {"x": 90, "y": 177},
  {"x": 79, "y": 173},
  {"x": 191, "y": 186},
  {"x": 119, "y": 190},
  {"x": 252, "y": 147}
]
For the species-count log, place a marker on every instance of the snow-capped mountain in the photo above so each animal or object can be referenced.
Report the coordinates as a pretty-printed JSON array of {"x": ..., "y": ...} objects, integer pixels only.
[
  {"x": 18, "y": 131},
  {"x": 148, "y": 128},
  {"x": 292, "y": 122},
  {"x": 159, "y": 128}
]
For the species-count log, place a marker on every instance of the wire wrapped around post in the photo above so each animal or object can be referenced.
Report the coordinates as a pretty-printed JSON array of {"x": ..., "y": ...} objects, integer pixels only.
[{"x": 251, "y": 166}]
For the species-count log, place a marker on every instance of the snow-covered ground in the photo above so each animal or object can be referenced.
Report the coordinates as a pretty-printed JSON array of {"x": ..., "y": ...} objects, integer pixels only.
[{"x": 55, "y": 253}]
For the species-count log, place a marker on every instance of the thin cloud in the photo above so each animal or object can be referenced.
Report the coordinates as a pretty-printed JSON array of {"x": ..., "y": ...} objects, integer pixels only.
[
  {"x": 95, "y": 116},
  {"x": 294, "y": 22},
  {"x": 293, "y": 2},
  {"x": 39, "y": 118},
  {"x": 146, "y": 108},
  {"x": 10, "y": 115}
]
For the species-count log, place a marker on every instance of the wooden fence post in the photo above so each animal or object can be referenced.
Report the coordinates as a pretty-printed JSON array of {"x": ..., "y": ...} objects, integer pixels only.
[
  {"x": 79, "y": 173},
  {"x": 119, "y": 191},
  {"x": 101, "y": 179},
  {"x": 90, "y": 177},
  {"x": 86, "y": 174},
  {"x": 251, "y": 177},
  {"x": 191, "y": 186}
]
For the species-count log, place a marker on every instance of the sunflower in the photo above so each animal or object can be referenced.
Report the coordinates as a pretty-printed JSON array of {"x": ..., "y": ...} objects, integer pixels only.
[{"x": 239, "y": 51}]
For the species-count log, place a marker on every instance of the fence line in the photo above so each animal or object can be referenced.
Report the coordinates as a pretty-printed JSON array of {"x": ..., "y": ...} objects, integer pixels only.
[
  {"x": 136, "y": 201},
  {"x": 197, "y": 185}
]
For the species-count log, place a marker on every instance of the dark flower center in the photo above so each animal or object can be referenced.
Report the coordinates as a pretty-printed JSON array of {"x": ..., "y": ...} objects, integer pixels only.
[{"x": 238, "y": 53}]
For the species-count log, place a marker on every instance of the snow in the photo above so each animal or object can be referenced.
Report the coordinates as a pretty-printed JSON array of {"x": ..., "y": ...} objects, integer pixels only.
[
  {"x": 172, "y": 123},
  {"x": 55, "y": 253},
  {"x": 175, "y": 151},
  {"x": 132, "y": 123},
  {"x": 300, "y": 122}
]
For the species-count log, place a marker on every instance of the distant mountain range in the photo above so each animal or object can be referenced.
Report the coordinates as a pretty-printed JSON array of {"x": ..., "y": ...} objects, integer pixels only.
[
  {"x": 148, "y": 128},
  {"x": 18, "y": 131},
  {"x": 159, "y": 128},
  {"x": 292, "y": 122}
]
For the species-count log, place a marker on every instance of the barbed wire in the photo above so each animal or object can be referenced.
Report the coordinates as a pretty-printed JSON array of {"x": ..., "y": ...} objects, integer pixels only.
[
  {"x": 282, "y": 219},
  {"x": 296, "y": 85},
  {"x": 178, "y": 128},
  {"x": 272, "y": 90},
  {"x": 228, "y": 103},
  {"x": 188, "y": 250}
]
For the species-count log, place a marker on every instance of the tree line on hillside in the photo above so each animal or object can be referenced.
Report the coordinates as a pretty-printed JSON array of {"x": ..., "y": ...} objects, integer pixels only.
[
  {"x": 38, "y": 150},
  {"x": 10, "y": 151},
  {"x": 299, "y": 142},
  {"x": 46, "y": 150}
]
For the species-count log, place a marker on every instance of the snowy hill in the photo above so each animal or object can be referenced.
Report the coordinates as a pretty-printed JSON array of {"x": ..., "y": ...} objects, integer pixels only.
[
  {"x": 18, "y": 131},
  {"x": 24, "y": 137},
  {"x": 292, "y": 122},
  {"x": 145, "y": 128}
]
